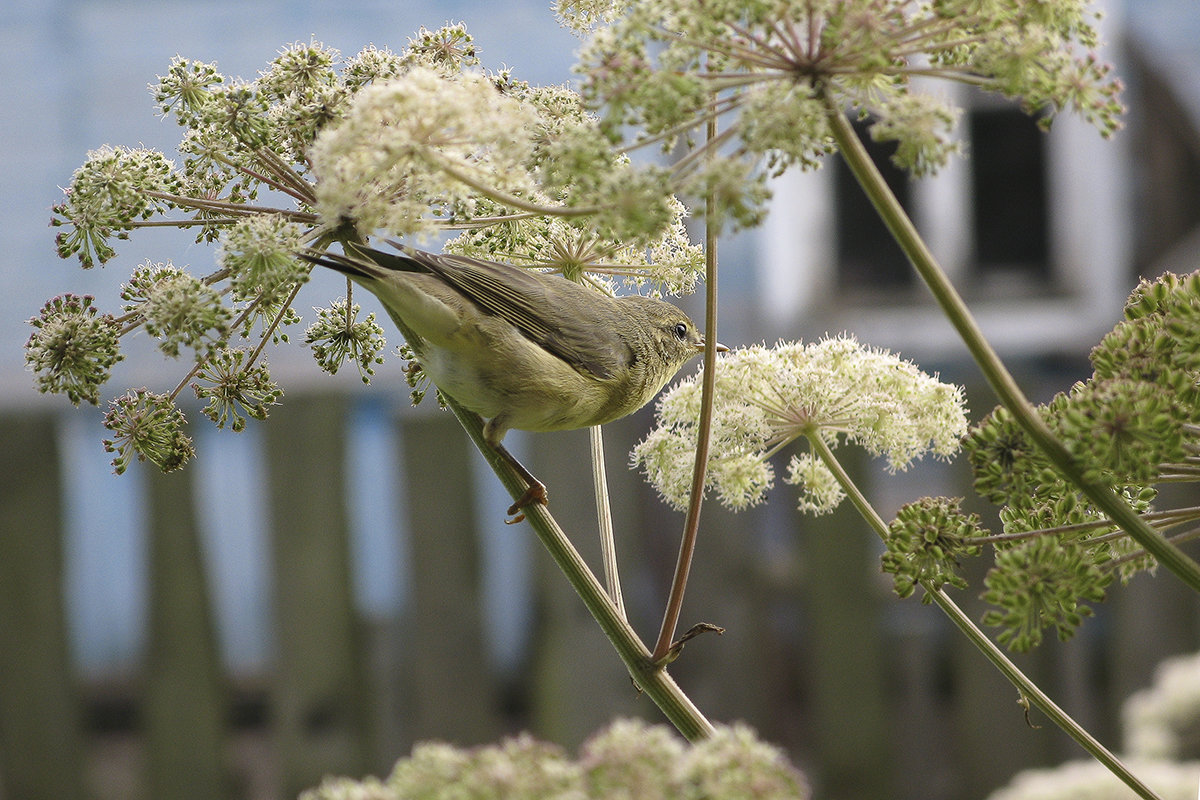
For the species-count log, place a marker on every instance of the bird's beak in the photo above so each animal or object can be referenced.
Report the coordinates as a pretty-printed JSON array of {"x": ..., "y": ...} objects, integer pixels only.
[{"x": 720, "y": 348}]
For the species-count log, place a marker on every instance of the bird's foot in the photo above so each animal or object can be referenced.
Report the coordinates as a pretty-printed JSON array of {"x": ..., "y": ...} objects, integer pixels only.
[{"x": 536, "y": 493}]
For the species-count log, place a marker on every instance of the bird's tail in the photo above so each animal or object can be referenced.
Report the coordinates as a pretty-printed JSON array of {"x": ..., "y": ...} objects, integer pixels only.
[
  {"x": 360, "y": 261},
  {"x": 355, "y": 268}
]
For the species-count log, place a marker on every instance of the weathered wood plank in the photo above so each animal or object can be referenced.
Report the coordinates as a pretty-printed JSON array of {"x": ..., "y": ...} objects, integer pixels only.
[
  {"x": 41, "y": 743},
  {"x": 319, "y": 701},
  {"x": 186, "y": 704},
  {"x": 449, "y": 689}
]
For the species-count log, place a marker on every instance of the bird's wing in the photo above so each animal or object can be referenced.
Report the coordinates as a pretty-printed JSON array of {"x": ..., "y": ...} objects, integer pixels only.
[
  {"x": 407, "y": 304},
  {"x": 549, "y": 310}
]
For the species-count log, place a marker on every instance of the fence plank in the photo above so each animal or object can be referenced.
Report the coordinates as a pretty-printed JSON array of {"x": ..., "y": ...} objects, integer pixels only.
[
  {"x": 449, "y": 690},
  {"x": 41, "y": 744},
  {"x": 319, "y": 698},
  {"x": 185, "y": 703},
  {"x": 846, "y": 662},
  {"x": 1153, "y": 617},
  {"x": 578, "y": 683},
  {"x": 986, "y": 710}
]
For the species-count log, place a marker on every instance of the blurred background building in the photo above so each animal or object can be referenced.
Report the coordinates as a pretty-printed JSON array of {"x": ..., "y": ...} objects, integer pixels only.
[{"x": 313, "y": 595}]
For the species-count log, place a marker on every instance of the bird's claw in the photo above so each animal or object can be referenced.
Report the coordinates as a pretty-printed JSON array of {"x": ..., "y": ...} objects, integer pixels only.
[{"x": 534, "y": 494}]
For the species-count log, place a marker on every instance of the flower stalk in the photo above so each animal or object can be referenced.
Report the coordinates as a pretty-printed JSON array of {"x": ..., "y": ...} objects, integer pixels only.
[
  {"x": 993, "y": 369},
  {"x": 691, "y": 525},
  {"x": 1027, "y": 688},
  {"x": 608, "y": 542},
  {"x": 648, "y": 675}
]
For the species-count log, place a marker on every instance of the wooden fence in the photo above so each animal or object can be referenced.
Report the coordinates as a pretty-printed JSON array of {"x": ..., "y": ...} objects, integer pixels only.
[{"x": 873, "y": 697}]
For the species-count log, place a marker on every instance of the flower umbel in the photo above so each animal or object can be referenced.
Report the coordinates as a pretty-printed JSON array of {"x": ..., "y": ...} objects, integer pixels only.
[
  {"x": 148, "y": 426},
  {"x": 338, "y": 335},
  {"x": 628, "y": 759},
  {"x": 669, "y": 264},
  {"x": 236, "y": 389},
  {"x": 260, "y": 254},
  {"x": 925, "y": 543},
  {"x": 1039, "y": 584},
  {"x": 413, "y": 148},
  {"x": 820, "y": 492},
  {"x": 73, "y": 348},
  {"x": 107, "y": 197},
  {"x": 178, "y": 308},
  {"x": 1133, "y": 424},
  {"x": 775, "y": 71},
  {"x": 766, "y": 398},
  {"x": 418, "y": 141}
]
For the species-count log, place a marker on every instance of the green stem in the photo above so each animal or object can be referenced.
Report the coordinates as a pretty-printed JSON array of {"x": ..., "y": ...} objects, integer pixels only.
[
  {"x": 655, "y": 681},
  {"x": 1010, "y": 395},
  {"x": 289, "y": 181},
  {"x": 608, "y": 543},
  {"x": 242, "y": 209},
  {"x": 464, "y": 177},
  {"x": 1008, "y": 669},
  {"x": 1161, "y": 521},
  {"x": 1037, "y": 697},
  {"x": 184, "y": 223}
]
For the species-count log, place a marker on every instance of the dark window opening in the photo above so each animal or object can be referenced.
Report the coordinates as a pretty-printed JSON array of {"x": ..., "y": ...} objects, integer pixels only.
[
  {"x": 1010, "y": 214},
  {"x": 868, "y": 257}
]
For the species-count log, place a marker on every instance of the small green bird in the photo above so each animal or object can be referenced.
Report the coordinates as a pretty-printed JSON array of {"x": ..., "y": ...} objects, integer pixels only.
[{"x": 523, "y": 349}]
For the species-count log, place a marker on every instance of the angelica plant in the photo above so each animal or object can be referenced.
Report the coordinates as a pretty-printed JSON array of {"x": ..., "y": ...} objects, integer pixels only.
[
  {"x": 1134, "y": 425},
  {"x": 339, "y": 336},
  {"x": 321, "y": 148},
  {"x": 780, "y": 80},
  {"x": 771, "y": 86},
  {"x": 73, "y": 348},
  {"x": 773, "y": 70}
]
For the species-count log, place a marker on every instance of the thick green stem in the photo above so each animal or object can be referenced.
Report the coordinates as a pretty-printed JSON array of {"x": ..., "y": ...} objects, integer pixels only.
[
  {"x": 1010, "y": 395},
  {"x": 1027, "y": 688},
  {"x": 651, "y": 678}
]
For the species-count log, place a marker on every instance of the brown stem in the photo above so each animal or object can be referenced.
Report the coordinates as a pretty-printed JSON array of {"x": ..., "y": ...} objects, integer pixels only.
[{"x": 666, "y": 633}]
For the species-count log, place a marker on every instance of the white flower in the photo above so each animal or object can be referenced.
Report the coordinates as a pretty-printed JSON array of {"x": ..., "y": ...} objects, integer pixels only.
[
  {"x": 1159, "y": 720},
  {"x": 420, "y": 140},
  {"x": 766, "y": 398},
  {"x": 1091, "y": 780}
]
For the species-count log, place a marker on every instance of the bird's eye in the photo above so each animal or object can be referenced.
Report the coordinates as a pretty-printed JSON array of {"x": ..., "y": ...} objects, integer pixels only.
[{"x": 681, "y": 330}]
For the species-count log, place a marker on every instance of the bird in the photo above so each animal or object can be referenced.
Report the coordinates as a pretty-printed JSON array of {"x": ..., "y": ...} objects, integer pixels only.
[{"x": 523, "y": 349}]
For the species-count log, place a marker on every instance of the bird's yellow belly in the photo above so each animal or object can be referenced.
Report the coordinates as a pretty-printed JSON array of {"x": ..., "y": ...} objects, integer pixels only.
[{"x": 528, "y": 390}]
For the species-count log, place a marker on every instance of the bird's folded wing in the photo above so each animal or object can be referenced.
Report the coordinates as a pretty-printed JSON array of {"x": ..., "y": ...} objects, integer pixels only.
[{"x": 549, "y": 310}]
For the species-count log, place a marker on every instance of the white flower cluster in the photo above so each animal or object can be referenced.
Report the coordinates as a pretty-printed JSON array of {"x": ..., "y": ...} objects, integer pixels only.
[
  {"x": 582, "y": 15},
  {"x": 424, "y": 140},
  {"x": 1091, "y": 780},
  {"x": 835, "y": 390},
  {"x": 1161, "y": 724},
  {"x": 627, "y": 759},
  {"x": 1162, "y": 721},
  {"x": 669, "y": 264}
]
